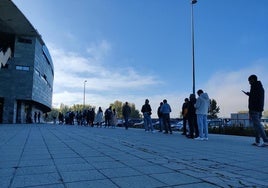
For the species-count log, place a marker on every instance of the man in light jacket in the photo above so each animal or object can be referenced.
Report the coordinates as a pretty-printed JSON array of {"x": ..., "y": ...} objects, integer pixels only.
[
  {"x": 202, "y": 106},
  {"x": 165, "y": 110}
]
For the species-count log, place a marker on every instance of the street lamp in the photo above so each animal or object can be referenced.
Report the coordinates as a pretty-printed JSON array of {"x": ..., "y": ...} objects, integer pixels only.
[
  {"x": 192, "y": 19},
  {"x": 84, "y": 93}
]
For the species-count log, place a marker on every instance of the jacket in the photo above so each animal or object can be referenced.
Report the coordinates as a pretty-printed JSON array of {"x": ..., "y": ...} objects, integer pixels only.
[
  {"x": 146, "y": 108},
  {"x": 126, "y": 110},
  {"x": 165, "y": 108},
  {"x": 202, "y": 104},
  {"x": 256, "y": 97}
]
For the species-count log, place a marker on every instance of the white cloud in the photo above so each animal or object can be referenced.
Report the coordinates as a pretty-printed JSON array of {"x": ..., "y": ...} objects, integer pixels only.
[
  {"x": 225, "y": 87},
  {"x": 99, "y": 50},
  {"x": 106, "y": 84},
  {"x": 103, "y": 82}
]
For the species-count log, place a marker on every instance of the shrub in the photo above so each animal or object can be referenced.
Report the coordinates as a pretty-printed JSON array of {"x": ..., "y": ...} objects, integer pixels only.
[{"x": 239, "y": 130}]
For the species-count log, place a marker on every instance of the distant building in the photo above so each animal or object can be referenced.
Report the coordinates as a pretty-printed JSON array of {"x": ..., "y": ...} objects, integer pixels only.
[
  {"x": 240, "y": 119},
  {"x": 26, "y": 68}
]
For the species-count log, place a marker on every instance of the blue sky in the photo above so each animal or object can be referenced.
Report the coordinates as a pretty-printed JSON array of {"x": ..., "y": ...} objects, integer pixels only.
[{"x": 130, "y": 50}]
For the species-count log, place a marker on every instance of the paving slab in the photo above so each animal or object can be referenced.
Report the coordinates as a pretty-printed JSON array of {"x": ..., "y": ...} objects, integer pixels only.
[{"x": 63, "y": 156}]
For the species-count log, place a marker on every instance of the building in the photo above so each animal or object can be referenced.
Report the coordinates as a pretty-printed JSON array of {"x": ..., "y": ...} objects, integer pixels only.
[
  {"x": 26, "y": 72},
  {"x": 240, "y": 119}
]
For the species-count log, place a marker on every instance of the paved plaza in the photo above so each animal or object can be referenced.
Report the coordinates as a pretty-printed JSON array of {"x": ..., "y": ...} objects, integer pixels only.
[{"x": 64, "y": 156}]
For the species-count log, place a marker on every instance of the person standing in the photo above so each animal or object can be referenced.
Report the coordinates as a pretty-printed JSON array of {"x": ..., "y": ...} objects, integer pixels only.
[
  {"x": 184, "y": 115},
  {"x": 126, "y": 113},
  {"x": 99, "y": 117},
  {"x": 202, "y": 107},
  {"x": 192, "y": 120},
  {"x": 108, "y": 116},
  {"x": 160, "y": 117},
  {"x": 38, "y": 117},
  {"x": 255, "y": 106},
  {"x": 114, "y": 118},
  {"x": 61, "y": 119},
  {"x": 165, "y": 110},
  {"x": 147, "y": 112},
  {"x": 35, "y": 117},
  {"x": 91, "y": 117}
]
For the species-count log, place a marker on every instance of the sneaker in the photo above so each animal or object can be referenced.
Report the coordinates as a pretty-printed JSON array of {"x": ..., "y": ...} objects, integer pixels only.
[
  {"x": 265, "y": 143},
  {"x": 258, "y": 144},
  {"x": 206, "y": 139},
  {"x": 199, "y": 138}
]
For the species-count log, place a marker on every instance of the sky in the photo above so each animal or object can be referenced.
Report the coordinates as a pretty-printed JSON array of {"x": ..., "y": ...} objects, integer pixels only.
[{"x": 132, "y": 50}]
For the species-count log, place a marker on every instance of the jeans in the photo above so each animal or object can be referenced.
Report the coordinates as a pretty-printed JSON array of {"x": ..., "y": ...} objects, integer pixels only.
[
  {"x": 255, "y": 119},
  {"x": 126, "y": 122},
  {"x": 148, "y": 122},
  {"x": 202, "y": 125},
  {"x": 166, "y": 122},
  {"x": 193, "y": 127},
  {"x": 184, "y": 120},
  {"x": 161, "y": 124}
]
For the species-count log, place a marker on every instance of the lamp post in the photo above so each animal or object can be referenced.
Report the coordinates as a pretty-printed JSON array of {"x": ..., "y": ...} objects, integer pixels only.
[
  {"x": 84, "y": 93},
  {"x": 193, "y": 58}
]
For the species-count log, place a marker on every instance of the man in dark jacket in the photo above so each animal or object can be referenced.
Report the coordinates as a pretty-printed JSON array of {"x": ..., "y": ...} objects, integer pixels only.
[
  {"x": 192, "y": 119},
  {"x": 160, "y": 117},
  {"x": 126, "y": 112},
  {"x": 255, "y": 106},
  {"x": 147, "y": 112}
]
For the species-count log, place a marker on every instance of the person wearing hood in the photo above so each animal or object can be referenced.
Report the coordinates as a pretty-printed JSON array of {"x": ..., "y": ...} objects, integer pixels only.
[
  {"x": 255, "y": 106},
  {"x": 202, "y": 106}
]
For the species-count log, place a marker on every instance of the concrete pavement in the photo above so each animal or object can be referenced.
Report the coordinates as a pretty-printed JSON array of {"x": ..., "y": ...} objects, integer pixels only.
[{"x": 56, "y": 156}]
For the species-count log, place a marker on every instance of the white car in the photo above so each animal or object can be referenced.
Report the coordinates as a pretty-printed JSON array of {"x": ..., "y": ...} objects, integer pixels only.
[
  {"x": 177, "y": 126},
  {"x": 139, "y": 124}
]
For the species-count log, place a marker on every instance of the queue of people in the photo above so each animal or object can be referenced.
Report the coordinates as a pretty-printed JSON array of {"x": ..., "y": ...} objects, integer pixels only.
[
  {"x": 108, "y": 118},
  {"x": 194, "y": 113}
]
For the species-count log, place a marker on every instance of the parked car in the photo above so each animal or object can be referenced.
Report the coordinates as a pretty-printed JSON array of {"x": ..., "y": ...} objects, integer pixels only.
[
  {"x": 215, "y": 123},
  {"x": 120, "y": 122},
  {"x": 133, "y": 121},
  {"x": 155, "y": 124},
  {"x": 139, "y": 124},
  {"x": 177, "y": 126}
]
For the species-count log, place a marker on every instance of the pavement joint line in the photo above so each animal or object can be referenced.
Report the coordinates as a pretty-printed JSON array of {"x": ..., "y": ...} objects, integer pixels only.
[
  {"x": 152, "y": 152},
  {"x": 57, "y": 169},
  {"x": 141, "y": 149},
  {"x": 219, "y": 163},
  {"x": 82, "y": 156},
  {"x": 18, "y": 164},
  {"x": 120, "y": 161}
]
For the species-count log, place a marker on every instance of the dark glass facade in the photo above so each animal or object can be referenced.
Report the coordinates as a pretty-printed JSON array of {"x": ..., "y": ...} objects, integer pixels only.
[{"x": 27, "y": 72}]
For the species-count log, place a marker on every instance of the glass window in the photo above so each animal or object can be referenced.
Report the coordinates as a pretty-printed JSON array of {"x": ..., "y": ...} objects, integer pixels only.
[{"x": 22, "y": 68}]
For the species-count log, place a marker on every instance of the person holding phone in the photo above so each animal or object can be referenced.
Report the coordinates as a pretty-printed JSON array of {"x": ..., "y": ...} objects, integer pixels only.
[{"x": 255, "y": 106}]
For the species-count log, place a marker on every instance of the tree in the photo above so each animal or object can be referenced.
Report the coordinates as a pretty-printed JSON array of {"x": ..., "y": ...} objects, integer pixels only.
[
  {"x": 134, "y": 112},
  {"x": 52, "y": 114},
  {"x": 80, "y": 107},
  {"x": 213, "y": 110},
  {"x": 118, "y": 105},
  {"x": 64, "y": 108}
]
